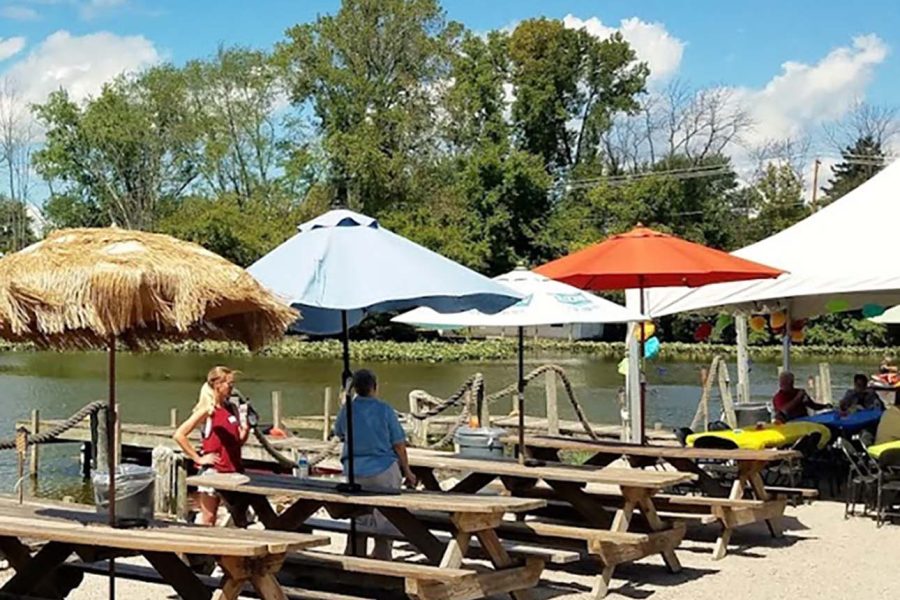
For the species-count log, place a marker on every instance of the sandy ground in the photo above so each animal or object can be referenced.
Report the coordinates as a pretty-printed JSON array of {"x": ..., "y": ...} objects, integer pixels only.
[{"x": 820, "y": 556}]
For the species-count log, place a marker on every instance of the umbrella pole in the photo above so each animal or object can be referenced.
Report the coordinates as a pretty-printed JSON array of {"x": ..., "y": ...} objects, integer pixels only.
[
  {"x": 346, "y": 375},
  {"x": 643, "y": 391},
  {"x": 111, "y": 451},
  {"x": 520, "y": 395}
]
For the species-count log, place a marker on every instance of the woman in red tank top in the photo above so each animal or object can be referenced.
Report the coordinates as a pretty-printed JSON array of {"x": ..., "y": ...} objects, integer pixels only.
[{"x": 224, "y": 429}]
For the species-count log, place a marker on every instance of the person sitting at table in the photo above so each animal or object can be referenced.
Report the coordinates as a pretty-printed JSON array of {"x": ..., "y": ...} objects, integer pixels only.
[
  {"x": 860, "y": 396},
  {"x": 887, "y": 365},
  {"x": 889, "y": 424},
  {"x": 379, "y": 453},
  {"x": 791, "y": 403}
]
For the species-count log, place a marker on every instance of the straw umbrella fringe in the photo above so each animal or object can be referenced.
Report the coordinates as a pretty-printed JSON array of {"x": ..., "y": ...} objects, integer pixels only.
[
  {"x": 80, "y": 287},
  {"x": 83, "y": 288}
]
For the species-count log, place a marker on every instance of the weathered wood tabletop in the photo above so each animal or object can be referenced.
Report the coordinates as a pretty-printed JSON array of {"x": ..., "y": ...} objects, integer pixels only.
[
  {"x": 245, "y": 556},
  {"x": 471, "y": 515}
]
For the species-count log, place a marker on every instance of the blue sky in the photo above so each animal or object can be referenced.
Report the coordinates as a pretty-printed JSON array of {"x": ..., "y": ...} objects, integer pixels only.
[{"x": 796, "y": 64}]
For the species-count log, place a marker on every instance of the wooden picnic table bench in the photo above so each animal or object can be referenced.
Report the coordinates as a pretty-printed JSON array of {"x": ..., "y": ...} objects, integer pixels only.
[
  {"x": 744, "y": 502},
  {"x": 252, "y": 557},
  {"x": 471, "y": 516},
  {"x": 567, "y": 483}
]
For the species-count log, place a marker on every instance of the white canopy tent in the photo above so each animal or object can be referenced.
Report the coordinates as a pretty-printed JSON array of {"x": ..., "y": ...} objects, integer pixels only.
[
  {"x": 546, "y": 302},
  {"x": 845, "y": 252},
  {"x": 889, "y": 317}
]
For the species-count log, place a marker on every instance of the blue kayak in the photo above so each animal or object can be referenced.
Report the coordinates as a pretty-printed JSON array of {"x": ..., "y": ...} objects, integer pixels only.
[{"x": 850, "y": 424}]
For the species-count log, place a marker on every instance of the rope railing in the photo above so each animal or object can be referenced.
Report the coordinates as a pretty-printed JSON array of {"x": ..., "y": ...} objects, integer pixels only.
[{"x": 52, "y": 434}]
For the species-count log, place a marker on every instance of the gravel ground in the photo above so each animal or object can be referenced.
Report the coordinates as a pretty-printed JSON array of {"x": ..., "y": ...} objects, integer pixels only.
[{"x": 820, "y": 556}]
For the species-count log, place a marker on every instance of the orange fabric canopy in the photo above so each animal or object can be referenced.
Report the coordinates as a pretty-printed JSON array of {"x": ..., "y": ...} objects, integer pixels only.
[{"x": 644, "y": 258}]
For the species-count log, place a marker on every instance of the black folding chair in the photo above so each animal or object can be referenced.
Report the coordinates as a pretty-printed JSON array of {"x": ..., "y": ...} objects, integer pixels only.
[
  {"x": 888, "y": 495},
  {"x": 862, "y": 478}
]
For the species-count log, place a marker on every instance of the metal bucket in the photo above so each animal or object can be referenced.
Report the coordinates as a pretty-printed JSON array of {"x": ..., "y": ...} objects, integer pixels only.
[
  {"x": 480, "y": 442},
  {"x": 134, "y": 494},
  {"x": 749, "y": 415}
]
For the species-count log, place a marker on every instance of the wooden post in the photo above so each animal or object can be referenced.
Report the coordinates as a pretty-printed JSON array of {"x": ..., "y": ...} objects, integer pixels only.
[
  {"x": 181, "y": 490},
  {"x": 35, "y": 429},
  {"x": 552, "y": 406},
  {"x": 326, "y": 414},
  {"x": 725, "y": 394},
  {"x": 825, "y": 375},
  {"x": 164, "y": 485},
  {"x": 173, "y": 418},
  {"x": 743, "y": 358},
  {"x": 484, "y": 417},
  {"x": 101, "y": 458},
  {"x": 276, "y": 409},
  {"x": 118, "y": 439},
  {"x": 701, "y": 417},
  {"x": 87, "y": 459}
]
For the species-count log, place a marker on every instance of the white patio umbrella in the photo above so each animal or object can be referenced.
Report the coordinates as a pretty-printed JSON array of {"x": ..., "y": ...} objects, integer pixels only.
[{"x": 546, "y": 302}]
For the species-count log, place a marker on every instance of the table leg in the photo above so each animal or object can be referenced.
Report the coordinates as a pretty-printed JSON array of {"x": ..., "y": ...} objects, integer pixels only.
[
  {"x": 472, "y": 483},
  {"x": 710, "y": 486},
  {"x": 426, "y": 476},
  {"x": 416, "y": 533},
  {"x": 456, "y": 550},
  {"x": 589, "y": 508},
  {"x": 759, "y": 488},
  {"x": 259, "y": 572},
  {"x": 36, "y": 570},
  {"x": 56, "y": 584},
  {"x": 645, "y": 502},
  {"x": 491, "y": 544},
  {"x": 178, "y": 575}
]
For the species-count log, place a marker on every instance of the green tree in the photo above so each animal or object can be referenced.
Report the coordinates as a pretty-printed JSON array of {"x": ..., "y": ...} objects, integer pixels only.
[
  {"x": 861, "y": 162},
  {"x": 777, "y": 198},
  {"x": 15, "y": 226},
  {"x": 371, "y": 74},
  {"x": 568, "y": 86},
  {"x": 249, "y": 149},
  {"x": 130, "y": 151}
]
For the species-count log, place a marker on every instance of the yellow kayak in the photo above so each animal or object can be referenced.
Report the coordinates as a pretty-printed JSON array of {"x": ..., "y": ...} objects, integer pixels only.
[
  {"x": 770, "y": 435},
  {"x": 875, "y": 451}
]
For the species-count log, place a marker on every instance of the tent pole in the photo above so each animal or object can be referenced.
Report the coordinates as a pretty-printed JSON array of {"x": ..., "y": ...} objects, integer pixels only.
[
  {"x": 521, "y": 395},
  {"x": 112, "y": 416},
  {"x": 786, "y": 340},
  {"x": 743, "y": 358}
]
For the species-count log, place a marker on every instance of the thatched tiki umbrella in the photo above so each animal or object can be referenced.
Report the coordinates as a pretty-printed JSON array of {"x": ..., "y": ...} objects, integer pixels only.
[{"x": 90, "y": 288}]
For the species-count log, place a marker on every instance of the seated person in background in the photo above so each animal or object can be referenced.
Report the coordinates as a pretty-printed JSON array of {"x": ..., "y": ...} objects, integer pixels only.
[
  {"x": 791, "y": 403},
  {"x": 860, "y": 396},
  {"x": 379, "y": 454},
  {"x": 887, "y": 365},
  {"x": 889, "y": 425}
]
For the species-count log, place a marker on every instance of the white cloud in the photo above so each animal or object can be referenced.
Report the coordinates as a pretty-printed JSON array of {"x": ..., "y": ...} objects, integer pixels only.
[
  {"x": 804, "y": 95},
  {"x": 18, "y": 13},
  {"x": 11, "y": 46},
  {"x": 79, "y": 64},
  {"x": 91, "y": 8},
  {"x": 651, "y": 42}
]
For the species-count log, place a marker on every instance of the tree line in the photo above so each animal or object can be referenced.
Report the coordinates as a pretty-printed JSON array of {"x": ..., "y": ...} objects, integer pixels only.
[{"x": 494, "y": 149}]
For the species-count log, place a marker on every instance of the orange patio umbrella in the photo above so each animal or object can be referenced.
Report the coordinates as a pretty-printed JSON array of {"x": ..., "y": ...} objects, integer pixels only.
[{"x": 644, "y": 258}]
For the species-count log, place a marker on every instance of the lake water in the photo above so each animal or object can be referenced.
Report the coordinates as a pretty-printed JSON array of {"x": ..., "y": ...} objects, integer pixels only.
[{"x": 149, "y": 385}]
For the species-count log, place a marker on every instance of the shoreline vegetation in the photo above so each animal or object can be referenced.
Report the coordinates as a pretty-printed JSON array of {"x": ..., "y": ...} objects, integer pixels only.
[{"x": 439, "y": 351}]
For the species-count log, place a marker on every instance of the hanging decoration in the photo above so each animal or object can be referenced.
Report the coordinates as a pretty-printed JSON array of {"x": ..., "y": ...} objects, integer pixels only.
[
  {"x": 872, "y": 310},
  {"x": 623, "y": 367},
  {"x": 649, "y": 330},
  {"x": 651, "y": 348},
  {"x": 798, "y": 325},
  {"x": 797, "y": 336},
  {"x": 723, "y": 321},
  {"x": 837, "y": 305},
  {"x": 703, "y": 331},
  {"x": 758, "y": 323},
  {"x": 777, "y": 320}
]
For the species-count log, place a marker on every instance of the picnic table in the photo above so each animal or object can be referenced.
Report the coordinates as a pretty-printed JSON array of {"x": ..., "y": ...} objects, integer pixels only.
[
  {"x": 246, "y": 557},
  {"x": 471, "y": 515},
  {"x": 747, "y": 496},
  {"x": 566, "y": 485},
  {"x": 848, "y": 424}
]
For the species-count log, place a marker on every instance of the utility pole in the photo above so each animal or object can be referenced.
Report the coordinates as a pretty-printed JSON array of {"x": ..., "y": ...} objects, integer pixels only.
[{"x": 815, "y": 186}]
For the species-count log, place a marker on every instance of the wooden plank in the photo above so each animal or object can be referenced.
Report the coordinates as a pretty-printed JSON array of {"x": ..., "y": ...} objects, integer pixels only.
[
  {"x": 30, "y": 576},
  {"x": 517, "y": 581},
  {"x": 552, "y": 403},
  {"x": 357, "y": 564},
  {"x": 556, "y": 472},
  {"x": 326, "y": 492}
]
